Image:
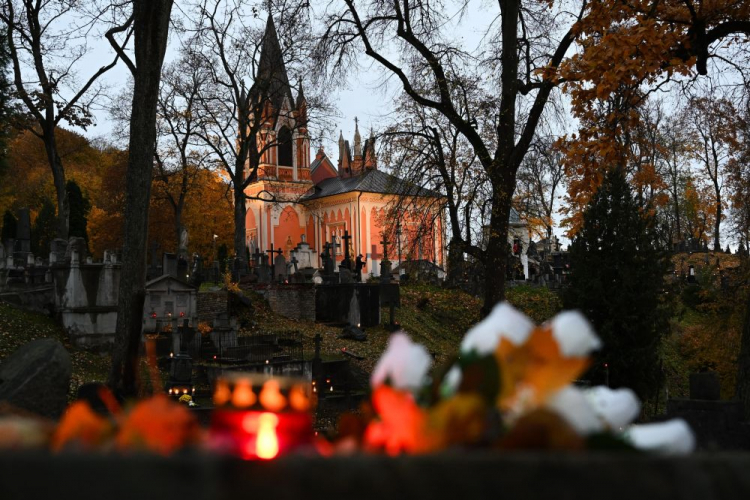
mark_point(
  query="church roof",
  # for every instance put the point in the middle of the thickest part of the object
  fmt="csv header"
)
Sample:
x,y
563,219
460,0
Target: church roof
x,y
370,181
272,80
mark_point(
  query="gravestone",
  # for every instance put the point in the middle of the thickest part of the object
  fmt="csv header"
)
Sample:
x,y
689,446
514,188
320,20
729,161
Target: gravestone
x,y
327,262
304,254
196,275
347,262
345,275
23,232
36,377
263,270
57,250
279,267
317,277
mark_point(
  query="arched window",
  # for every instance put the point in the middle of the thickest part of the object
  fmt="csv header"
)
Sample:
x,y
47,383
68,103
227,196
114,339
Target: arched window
x,y
284,147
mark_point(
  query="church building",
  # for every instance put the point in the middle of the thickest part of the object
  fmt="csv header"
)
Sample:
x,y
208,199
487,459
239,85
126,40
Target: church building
x,y
352,202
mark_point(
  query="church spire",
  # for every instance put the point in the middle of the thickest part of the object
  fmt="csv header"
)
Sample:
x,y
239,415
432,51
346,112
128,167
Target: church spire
x,y
357,139
272,79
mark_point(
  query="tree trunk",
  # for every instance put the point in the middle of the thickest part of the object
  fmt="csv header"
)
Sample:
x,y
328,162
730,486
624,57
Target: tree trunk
x,y
455,261
239,223
496,255
58,176
717,224
742,391
151,27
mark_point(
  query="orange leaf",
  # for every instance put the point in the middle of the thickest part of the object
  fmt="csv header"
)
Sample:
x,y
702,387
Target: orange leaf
x,y
402,424
159,425
81,426
535,369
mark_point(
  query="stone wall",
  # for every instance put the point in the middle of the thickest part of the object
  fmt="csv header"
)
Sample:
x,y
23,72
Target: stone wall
x,y
210,304
456,475
295,301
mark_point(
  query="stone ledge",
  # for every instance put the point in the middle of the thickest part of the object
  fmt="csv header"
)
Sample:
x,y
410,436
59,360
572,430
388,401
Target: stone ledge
x,y
460,476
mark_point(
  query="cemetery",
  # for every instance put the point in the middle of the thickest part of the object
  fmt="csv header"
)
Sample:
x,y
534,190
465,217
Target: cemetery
x,y
295,249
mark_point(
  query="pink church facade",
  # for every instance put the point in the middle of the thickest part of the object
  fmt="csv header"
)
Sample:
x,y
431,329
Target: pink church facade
x,y
317,202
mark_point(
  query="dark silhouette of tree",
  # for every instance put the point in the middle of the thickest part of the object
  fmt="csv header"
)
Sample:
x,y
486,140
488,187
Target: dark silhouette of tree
x,y
617,281
10,223
80,206
44,229
148,21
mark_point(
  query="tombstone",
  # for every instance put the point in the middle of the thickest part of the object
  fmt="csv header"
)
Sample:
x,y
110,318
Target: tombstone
x,y
345,275
57,250
327,260
691,274
23,232
196,275
279,268
346,263
317,277
263,270
292,266
304,254
180,375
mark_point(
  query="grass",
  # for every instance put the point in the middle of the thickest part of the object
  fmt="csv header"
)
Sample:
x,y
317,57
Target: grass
x,y
18,327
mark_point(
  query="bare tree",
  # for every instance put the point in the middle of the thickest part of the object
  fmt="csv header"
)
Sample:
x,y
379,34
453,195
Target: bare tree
x,y
149,23
423,148
46,54
414,42
713,127
178,155
539,178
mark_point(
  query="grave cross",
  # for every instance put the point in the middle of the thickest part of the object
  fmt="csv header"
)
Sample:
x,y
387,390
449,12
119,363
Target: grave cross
x,y
294,262
334,245
273,264
346,239
256,255
385,243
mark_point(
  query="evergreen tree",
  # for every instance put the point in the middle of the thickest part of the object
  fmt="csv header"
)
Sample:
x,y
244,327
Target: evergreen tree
x,y
79,210
45,228
617,282
9,227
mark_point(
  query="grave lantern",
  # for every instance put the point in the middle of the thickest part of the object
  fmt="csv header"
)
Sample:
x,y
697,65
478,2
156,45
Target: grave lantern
x,y
257,417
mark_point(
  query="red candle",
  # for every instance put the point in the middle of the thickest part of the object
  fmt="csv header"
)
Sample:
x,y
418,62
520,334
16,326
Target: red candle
x,y
257,417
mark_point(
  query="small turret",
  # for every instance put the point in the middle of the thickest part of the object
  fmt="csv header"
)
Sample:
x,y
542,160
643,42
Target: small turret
x,y
357,140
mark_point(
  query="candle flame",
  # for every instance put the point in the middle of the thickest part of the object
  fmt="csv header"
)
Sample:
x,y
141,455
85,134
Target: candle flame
x,y
267,442
271,397
243,396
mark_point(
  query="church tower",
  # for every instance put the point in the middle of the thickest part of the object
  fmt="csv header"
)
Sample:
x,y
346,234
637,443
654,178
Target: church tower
x,y
284,139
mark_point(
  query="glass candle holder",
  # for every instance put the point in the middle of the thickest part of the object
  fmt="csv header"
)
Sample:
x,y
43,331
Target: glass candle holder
x,y
261,417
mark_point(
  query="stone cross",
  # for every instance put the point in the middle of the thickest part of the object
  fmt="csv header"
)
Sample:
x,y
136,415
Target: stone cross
x,y
294,262
273,265
334,245
347,263
256,256
385,243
